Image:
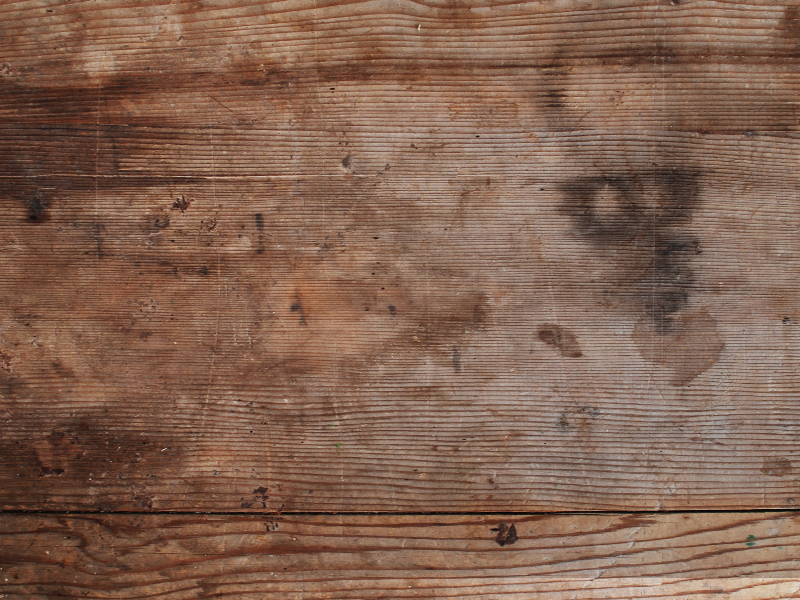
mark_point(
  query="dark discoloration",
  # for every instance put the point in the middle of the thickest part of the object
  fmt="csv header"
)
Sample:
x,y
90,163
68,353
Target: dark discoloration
x,y
145,501
638,218
688,348
561,339
578,417
347,162
36,206
160,221
790,30
392,310
457,366
55,453
506,534
638,222
62,370
259,499
297,307
259,219
451,318
5,362
777,467
77,455
97,234
182,203
791,21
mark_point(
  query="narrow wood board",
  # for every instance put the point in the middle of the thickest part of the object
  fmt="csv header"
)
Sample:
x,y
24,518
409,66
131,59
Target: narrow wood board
x,y
743,556
396,256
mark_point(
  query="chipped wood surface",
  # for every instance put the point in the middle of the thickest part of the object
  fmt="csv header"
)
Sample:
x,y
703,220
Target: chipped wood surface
x,y
394,256
745,556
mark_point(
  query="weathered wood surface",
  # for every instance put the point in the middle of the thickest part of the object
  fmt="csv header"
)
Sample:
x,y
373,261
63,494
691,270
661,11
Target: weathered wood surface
x,y
743,556
399,256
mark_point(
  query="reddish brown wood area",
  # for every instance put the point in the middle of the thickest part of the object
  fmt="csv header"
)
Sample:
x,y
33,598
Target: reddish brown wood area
x,y
748,556
390,257
399,256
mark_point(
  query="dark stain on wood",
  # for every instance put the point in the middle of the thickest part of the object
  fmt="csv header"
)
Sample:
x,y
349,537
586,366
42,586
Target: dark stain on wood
x,y
454,316
790,29
259,219
36,206
297,307
79,455
638,217
777,467
688,348
561,339
457,366
182,203
637,221
578,418
506,534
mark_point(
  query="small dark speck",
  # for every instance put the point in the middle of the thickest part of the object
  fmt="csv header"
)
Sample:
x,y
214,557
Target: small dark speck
x,y
477,136
786,320
392,310
295,307
751,134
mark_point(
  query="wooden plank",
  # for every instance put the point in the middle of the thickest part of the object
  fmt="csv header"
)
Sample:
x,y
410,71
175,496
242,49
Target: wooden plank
x,y
399,256
696,555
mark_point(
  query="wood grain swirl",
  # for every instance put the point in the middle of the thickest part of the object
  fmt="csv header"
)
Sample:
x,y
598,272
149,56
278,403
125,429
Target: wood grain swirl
x,y
752,556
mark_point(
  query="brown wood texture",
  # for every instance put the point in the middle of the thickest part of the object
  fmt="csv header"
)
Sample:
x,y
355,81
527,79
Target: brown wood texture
x,y
399,256
699,556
